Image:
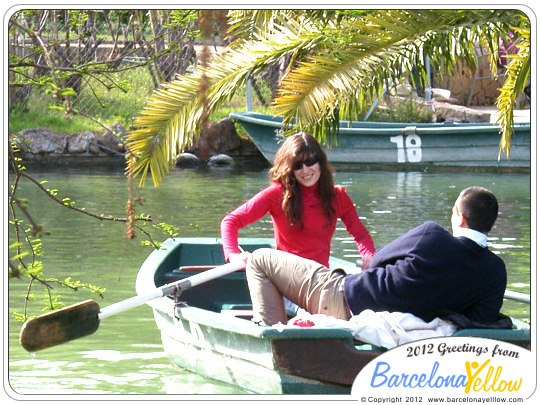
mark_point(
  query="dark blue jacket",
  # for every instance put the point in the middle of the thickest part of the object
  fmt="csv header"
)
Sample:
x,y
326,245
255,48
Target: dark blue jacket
x,y
428,272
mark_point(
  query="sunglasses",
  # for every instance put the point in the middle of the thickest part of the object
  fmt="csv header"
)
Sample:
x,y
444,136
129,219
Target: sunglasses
x,y
310,161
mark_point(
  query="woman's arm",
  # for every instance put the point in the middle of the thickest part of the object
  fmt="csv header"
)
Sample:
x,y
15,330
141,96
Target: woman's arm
x,y
252,210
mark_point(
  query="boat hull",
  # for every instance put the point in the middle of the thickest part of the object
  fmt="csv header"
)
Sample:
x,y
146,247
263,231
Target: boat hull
x,y
405,145
208,329
252,361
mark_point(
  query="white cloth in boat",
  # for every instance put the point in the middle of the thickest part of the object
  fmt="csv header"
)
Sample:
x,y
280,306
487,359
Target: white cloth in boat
x,y
385,329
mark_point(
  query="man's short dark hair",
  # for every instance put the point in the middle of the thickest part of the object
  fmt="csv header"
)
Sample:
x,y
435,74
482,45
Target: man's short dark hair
x,y
480,208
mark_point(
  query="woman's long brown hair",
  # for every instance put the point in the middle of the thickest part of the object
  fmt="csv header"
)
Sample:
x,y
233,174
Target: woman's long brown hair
x,y
298,148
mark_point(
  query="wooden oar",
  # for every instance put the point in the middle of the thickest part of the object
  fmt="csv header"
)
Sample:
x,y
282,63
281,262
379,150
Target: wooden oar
x,y
82,319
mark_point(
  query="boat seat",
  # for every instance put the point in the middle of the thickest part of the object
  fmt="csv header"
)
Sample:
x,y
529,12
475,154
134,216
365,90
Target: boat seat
x,y
238,313
238,310
227,306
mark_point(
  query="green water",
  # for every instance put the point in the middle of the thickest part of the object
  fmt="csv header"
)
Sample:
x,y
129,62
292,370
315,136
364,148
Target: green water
x,y
125,355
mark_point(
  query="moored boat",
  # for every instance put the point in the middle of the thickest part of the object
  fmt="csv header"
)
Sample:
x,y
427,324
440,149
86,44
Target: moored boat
x,y
406,145
208,329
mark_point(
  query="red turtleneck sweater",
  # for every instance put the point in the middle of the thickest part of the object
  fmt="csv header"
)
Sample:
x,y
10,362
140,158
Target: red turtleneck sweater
x,y
312,241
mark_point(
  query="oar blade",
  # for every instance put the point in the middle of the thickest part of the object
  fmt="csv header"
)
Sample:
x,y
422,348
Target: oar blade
x,y
60,326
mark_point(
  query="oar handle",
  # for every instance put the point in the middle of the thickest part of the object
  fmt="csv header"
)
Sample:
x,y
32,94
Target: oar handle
x,y
517,296
132,302
170,288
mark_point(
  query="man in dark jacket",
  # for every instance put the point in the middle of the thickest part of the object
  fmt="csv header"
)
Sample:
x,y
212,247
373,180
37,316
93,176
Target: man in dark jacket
x,y
428,272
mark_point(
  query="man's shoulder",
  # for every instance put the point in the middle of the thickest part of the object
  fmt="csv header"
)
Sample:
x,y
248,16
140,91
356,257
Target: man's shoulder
x,y
429,234
433,225
430,227
497,259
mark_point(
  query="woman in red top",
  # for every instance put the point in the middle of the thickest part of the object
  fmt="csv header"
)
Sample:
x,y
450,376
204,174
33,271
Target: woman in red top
x,y
304,205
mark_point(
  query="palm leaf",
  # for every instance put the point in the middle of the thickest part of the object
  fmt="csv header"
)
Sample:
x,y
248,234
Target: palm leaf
x,y
518,73
378,49
172,114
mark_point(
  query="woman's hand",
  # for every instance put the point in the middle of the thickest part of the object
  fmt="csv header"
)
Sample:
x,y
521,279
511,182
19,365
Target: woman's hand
x,y
366,262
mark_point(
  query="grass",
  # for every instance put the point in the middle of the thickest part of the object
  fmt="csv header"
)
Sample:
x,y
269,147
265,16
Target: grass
x,y
55,121
100,101
107,105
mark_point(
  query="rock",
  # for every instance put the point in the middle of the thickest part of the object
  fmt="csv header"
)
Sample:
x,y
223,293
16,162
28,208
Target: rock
x,y
221,160
109,142
119,129
402,90
442,95
458,113
187,160
221,138
40,141
468,89
85,142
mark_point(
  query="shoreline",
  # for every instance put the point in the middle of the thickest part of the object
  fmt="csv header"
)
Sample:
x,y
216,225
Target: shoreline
x,y
118,163
242,157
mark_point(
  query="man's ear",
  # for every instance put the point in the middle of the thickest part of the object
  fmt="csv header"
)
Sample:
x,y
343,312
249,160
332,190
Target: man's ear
x,y
458,220
462,221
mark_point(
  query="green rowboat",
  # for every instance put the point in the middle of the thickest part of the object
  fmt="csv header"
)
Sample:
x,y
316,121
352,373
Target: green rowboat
x,y
207,329
406,146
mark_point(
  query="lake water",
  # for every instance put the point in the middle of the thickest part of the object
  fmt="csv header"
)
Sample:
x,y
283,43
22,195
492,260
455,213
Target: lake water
x,y
125,355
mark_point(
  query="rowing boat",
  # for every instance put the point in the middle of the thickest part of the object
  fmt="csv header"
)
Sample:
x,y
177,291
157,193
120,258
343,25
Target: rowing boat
x,y
208,329
407,146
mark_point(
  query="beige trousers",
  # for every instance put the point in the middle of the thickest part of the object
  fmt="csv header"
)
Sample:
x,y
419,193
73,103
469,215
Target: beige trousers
x,y
273,274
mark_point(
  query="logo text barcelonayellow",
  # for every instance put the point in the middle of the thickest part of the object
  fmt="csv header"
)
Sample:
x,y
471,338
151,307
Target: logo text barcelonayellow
x,y
465,366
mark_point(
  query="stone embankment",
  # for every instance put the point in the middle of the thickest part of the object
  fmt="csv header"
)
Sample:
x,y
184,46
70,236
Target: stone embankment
x,y
218,146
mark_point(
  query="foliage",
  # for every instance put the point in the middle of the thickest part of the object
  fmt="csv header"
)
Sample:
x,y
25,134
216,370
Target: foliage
x,y
54,120
26,252
336,63
114,106
519,71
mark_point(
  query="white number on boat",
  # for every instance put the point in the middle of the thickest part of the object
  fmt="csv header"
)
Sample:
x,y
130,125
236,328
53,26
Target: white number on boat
x,y
411,148
278,133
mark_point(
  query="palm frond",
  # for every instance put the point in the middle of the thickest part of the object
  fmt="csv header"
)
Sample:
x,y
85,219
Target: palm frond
x,y
518,73
172,114
378,49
